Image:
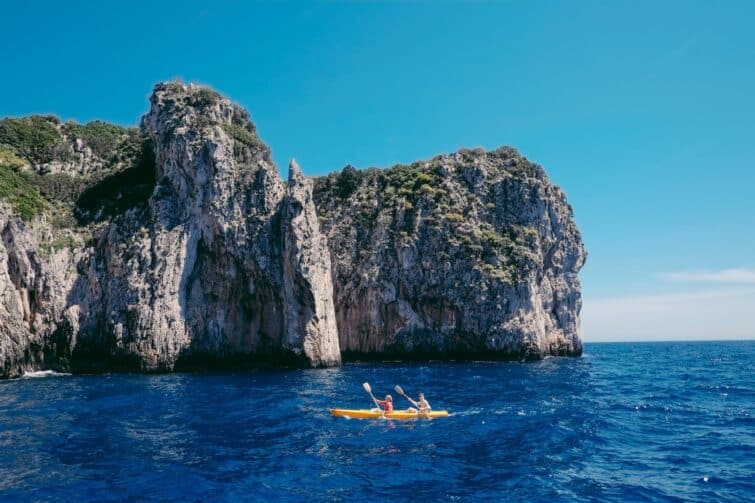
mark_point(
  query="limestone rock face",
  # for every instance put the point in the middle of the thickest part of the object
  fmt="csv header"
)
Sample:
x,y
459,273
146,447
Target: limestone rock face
x,y
199,273
178,245
473,254
37,323
310,318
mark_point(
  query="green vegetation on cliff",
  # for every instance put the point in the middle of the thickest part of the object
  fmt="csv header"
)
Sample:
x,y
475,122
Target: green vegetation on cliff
x,y
103,138
80,173
34,138
454,204
241,134
20,194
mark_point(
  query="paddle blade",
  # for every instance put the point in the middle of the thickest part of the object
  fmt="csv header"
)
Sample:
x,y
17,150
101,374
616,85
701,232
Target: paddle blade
x,y
367,387
398,389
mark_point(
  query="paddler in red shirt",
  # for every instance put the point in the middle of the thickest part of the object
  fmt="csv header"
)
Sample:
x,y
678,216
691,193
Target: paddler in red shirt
x,y
386,404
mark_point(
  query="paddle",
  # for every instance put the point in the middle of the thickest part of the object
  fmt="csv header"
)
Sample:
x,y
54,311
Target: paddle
x,y
368,389
401,392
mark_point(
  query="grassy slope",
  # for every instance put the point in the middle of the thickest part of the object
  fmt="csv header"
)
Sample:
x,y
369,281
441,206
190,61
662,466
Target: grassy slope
x,y
23,197
124,178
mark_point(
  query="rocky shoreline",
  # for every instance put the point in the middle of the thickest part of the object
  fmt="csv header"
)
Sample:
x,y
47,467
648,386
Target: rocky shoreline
x,y
178,246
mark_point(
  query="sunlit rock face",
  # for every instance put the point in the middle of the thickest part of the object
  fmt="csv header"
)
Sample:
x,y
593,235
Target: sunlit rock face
x,y
177,245
468,255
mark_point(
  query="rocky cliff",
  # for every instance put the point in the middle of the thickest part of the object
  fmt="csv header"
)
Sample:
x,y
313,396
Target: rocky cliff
x,y
470,255
177,245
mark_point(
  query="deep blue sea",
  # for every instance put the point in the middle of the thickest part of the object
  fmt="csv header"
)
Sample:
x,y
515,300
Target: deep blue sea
x,y
626,422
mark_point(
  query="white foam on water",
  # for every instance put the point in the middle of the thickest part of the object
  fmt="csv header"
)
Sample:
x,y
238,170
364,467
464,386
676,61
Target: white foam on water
x,y
43,373
468,412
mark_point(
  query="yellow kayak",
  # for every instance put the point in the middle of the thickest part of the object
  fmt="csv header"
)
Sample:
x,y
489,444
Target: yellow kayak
x,y
396,414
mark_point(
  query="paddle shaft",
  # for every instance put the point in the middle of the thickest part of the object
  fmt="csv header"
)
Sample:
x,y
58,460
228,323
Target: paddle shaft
x,y
400,391
368,389
374,400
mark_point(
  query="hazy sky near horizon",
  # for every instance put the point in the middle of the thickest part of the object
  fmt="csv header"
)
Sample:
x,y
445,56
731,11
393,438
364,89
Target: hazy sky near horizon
x,y
641,111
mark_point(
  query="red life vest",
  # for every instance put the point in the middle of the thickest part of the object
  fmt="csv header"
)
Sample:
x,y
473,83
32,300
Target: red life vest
x,y
386,405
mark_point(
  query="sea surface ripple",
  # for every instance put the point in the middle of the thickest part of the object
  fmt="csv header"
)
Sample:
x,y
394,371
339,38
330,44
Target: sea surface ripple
x,y
626,422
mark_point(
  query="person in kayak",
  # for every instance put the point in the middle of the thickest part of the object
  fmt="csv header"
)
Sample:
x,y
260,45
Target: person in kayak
x,y
421,405
386,404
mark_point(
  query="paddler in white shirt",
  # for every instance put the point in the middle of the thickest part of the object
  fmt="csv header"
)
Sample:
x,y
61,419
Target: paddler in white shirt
x,y
421,405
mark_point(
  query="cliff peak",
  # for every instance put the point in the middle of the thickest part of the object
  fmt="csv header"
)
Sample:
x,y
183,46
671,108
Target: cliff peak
x,y
295,174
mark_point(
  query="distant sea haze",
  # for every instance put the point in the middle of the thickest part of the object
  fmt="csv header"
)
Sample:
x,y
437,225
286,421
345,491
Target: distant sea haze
x,y
625,422
712,313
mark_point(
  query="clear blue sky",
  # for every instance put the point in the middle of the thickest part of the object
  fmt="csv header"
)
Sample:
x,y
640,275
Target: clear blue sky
x,y
643,112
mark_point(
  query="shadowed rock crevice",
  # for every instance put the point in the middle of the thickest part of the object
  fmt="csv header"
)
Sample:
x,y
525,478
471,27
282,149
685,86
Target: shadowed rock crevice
x,y
118,192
